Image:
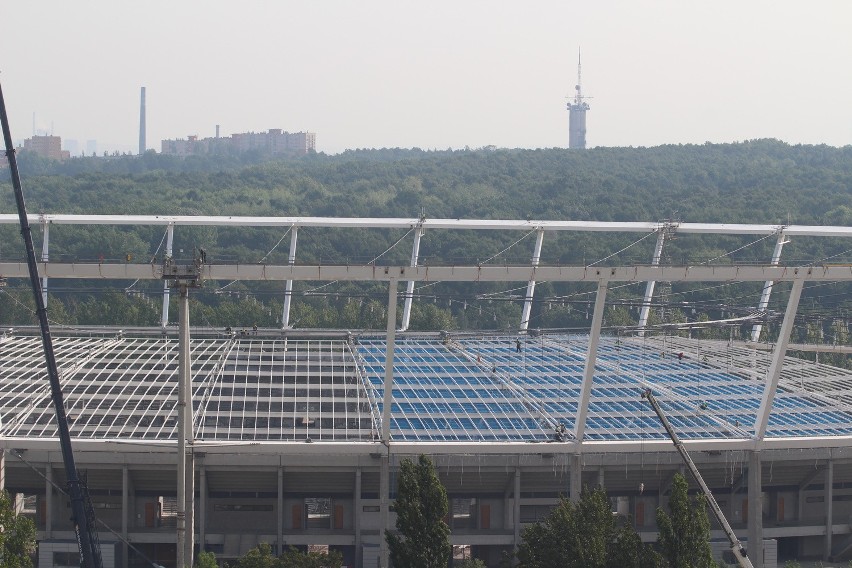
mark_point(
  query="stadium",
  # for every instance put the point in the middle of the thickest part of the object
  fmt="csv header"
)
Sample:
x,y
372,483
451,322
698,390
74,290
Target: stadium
x,y
294,436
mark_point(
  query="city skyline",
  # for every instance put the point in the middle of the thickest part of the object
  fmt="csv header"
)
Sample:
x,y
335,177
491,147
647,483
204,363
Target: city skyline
x,y
435,75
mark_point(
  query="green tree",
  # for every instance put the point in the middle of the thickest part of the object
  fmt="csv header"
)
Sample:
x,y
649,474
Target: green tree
x,y
423,538
295,558
628,551
574,535
259,557
206,560
685,531
17,537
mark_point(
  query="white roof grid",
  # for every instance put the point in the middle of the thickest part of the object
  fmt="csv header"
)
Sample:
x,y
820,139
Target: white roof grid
x,y
470,389
286,390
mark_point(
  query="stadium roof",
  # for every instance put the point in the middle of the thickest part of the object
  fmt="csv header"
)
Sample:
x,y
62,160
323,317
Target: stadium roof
x,y
478,390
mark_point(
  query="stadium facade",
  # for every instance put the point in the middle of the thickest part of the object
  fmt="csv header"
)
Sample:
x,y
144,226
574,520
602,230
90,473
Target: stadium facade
x,y
295,440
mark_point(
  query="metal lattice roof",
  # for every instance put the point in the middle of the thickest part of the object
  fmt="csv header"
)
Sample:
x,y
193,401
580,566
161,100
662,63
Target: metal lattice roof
x,y
467,389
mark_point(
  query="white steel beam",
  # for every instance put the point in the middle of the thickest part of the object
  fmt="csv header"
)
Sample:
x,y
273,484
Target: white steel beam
x,y
401,223
409,287
387,399
777,362
288,289
649,287
589,370
45,257
528,299
260,272
170,235
767,286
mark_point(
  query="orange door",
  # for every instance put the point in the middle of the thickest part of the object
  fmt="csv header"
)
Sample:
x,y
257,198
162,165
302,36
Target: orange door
x,y
297,516
338,516
485,516
640,513
150,514
745,510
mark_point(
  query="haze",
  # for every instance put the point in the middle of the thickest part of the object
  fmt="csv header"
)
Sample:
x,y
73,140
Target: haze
x,y
432,74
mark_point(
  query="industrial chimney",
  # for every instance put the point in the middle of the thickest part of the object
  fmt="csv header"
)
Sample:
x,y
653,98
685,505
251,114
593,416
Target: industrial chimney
x,y
142,144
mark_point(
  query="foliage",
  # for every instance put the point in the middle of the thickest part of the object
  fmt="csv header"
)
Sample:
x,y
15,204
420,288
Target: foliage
x,y
17,537
584,535
758,181
422,540
685,531
206,560
259,557
295,558
262,557
471,563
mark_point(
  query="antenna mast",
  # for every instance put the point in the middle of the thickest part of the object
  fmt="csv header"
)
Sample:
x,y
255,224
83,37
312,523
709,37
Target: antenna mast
x,y
577,111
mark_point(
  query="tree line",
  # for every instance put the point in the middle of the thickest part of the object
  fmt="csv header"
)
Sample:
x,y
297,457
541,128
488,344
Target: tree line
x,y
760,181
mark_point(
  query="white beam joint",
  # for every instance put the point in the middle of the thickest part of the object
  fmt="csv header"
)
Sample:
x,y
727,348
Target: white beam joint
x,y
528,299
767,286
591,358
170,235
45,257
778,353
409,287
288,288
649,287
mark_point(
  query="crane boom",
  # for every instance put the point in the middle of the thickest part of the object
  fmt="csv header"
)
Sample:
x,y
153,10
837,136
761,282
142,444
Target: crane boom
x,y
82,513
736,546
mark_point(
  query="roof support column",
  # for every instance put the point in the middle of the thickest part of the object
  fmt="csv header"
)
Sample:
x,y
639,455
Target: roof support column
x,y
202,508
829,508
591,357
125,513
516,509
755,510
767,286
170,235
384,509
387,402
356,519
45,256
409,287
48,501
288,287
387,399
576,486
536,258
649,287
279,506
2,469
185,473
774,372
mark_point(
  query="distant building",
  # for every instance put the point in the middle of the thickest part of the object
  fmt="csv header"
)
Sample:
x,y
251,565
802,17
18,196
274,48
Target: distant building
x,y
49,147
274,141
577,115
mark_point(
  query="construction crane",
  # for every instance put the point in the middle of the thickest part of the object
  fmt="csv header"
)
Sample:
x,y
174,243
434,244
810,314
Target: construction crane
x,y
82,512
736,546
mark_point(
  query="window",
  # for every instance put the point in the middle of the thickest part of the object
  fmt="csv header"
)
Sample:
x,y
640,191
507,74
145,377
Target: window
x,y
464,513
66,559
318,512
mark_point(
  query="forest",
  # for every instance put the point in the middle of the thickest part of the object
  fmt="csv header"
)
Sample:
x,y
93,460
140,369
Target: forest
x,y
758,181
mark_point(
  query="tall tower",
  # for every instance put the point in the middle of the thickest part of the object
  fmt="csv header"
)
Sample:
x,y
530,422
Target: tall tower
x,y
142,144
577,113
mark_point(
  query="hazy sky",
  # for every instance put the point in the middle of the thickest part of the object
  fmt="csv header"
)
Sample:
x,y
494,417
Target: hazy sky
x,y
431,74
